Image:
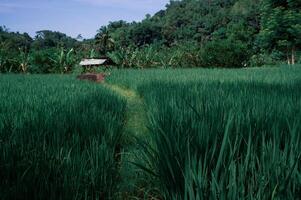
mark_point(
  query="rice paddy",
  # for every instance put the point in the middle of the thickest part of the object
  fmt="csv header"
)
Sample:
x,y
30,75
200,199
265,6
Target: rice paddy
x,y
60,138
152,134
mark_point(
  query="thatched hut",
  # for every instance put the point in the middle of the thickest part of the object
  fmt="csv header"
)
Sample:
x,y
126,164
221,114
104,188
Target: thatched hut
x,y
90,64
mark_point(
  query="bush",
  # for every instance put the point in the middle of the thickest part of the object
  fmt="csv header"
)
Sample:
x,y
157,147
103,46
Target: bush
x,y
261,59
52,60
222,53
156,55
185,54
225,53
41,62
8,62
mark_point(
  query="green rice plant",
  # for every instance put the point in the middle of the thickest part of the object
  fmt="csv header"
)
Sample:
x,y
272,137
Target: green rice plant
x,y
231,140
212,134
59,138
133,78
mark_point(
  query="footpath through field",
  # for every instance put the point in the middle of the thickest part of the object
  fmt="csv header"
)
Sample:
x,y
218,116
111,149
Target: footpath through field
x,y
136,117
136,125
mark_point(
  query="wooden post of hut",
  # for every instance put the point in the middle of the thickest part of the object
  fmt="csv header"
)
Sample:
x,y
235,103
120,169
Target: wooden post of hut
x,y
89,65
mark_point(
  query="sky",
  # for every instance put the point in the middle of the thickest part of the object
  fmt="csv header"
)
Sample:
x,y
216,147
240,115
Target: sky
x,y
72,17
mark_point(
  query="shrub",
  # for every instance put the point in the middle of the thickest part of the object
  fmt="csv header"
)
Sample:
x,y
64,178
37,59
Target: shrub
x,y
224,53
41,62
261,59
9,62
156,55
52,60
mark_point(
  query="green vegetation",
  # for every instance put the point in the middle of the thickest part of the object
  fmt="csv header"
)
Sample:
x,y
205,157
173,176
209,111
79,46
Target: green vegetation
x,y
219,33
133,78
230,140
281,27
219,134
175,132
49,52
180,134
188,33
59,138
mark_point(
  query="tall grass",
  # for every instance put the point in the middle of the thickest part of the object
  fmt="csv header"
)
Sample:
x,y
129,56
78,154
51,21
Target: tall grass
x,y
232,139
59,138
213,134
220,142
132,78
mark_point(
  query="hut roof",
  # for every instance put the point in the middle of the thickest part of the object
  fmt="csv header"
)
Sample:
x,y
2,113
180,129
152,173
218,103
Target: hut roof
x,y
88,62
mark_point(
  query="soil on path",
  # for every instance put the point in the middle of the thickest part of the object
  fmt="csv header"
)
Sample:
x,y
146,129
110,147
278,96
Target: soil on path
x,y
136,118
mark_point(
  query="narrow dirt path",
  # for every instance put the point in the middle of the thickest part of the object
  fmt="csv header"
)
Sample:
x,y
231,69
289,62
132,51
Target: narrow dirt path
x,y
135,127
136,118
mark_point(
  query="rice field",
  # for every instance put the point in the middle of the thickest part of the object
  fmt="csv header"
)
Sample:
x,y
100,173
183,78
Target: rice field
x,y
60,138
207,134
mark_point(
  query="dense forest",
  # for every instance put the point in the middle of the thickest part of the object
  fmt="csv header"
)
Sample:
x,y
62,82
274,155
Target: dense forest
x,y
188,33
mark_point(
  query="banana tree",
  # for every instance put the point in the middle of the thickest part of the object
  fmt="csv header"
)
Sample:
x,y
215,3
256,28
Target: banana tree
x,y
69,61
92,54
23,60
64,61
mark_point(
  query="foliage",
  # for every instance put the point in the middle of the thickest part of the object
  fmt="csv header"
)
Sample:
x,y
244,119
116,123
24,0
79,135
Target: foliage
x,y
64,60
53,61
145,33
225,53
215,30
155,55
24,61
219,53
219,21
19,53
14,41
9,62
187,33
104,41
51,39
274,58
281,27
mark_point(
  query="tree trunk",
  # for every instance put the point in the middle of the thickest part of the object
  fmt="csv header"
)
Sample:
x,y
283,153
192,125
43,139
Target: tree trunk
x,y
288,57
293,55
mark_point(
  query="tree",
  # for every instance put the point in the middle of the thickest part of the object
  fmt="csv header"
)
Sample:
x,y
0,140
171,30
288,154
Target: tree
x,y
119,33
146,32
225,53
104,41
281,27
49,39
14,41
79,37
